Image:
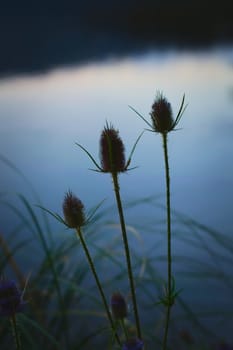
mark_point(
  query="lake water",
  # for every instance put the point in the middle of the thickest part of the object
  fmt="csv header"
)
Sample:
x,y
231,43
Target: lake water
x,y
43,116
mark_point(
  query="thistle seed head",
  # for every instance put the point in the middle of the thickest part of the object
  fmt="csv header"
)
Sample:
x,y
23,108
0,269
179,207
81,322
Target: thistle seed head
x,y
73,210
10,298
161,115
112,151
133,344
118,306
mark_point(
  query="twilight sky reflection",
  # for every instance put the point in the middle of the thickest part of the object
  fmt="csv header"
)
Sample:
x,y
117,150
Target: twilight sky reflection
x,y
43,116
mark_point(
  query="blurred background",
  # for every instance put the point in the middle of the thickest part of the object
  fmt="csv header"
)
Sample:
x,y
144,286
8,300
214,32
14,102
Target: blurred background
x,y
37,38
66,68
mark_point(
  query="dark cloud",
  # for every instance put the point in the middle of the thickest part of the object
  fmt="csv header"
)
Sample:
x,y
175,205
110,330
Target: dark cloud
x,y
35,39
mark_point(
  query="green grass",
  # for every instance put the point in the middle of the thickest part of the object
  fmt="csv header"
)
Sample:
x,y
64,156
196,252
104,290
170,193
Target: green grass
x,y
63,309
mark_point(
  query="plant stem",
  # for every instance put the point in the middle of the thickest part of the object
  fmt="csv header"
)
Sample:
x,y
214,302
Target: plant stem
x,y
9,256
93,270
124,328
169,257
127,251
16,333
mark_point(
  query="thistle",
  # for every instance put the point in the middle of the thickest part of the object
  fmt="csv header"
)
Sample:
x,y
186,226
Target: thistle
x,y
118,306
74,217
10,298
11,302
163,122
112,151
112,159
73,210
119,311
133,344
162,116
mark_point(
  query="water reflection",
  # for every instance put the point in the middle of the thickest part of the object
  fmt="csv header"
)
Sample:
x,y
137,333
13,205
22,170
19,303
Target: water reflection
x,y
42,117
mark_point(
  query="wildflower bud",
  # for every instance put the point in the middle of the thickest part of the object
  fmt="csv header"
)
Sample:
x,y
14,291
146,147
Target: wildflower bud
x,y
133,344
112,149
118,306
161,115
10,298
73,210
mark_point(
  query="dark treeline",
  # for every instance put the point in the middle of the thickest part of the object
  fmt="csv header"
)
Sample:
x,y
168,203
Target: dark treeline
x,y
35,38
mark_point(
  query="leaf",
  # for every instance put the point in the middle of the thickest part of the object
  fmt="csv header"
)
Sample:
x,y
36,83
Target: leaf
x,y
89,155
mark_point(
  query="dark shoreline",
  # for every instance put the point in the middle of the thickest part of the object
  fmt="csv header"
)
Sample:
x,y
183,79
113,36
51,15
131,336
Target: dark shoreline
x,y
36,40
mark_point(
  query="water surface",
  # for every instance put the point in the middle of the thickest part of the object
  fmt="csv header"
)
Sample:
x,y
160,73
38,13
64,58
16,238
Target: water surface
x,y
43,116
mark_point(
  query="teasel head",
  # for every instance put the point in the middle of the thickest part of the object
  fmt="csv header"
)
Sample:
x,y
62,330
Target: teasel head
x,y
112,152
11,299
162,115
118,306
133,344
73,210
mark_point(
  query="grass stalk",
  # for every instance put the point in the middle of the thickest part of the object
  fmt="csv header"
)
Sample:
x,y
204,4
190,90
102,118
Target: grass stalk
x,y
124,328
53,270
15,267
16,334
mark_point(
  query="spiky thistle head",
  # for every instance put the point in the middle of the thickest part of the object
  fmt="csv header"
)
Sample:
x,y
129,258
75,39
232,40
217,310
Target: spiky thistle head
x,y
118,306
10,298
133,344
112,151
162,115
73,210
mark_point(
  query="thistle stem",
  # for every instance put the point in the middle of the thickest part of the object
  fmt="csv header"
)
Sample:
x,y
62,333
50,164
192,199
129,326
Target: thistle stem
x,y
169,257
15,331
127,251
93,270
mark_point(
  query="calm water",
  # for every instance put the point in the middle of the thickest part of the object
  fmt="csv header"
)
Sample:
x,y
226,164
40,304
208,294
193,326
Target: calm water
x,y
43,116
